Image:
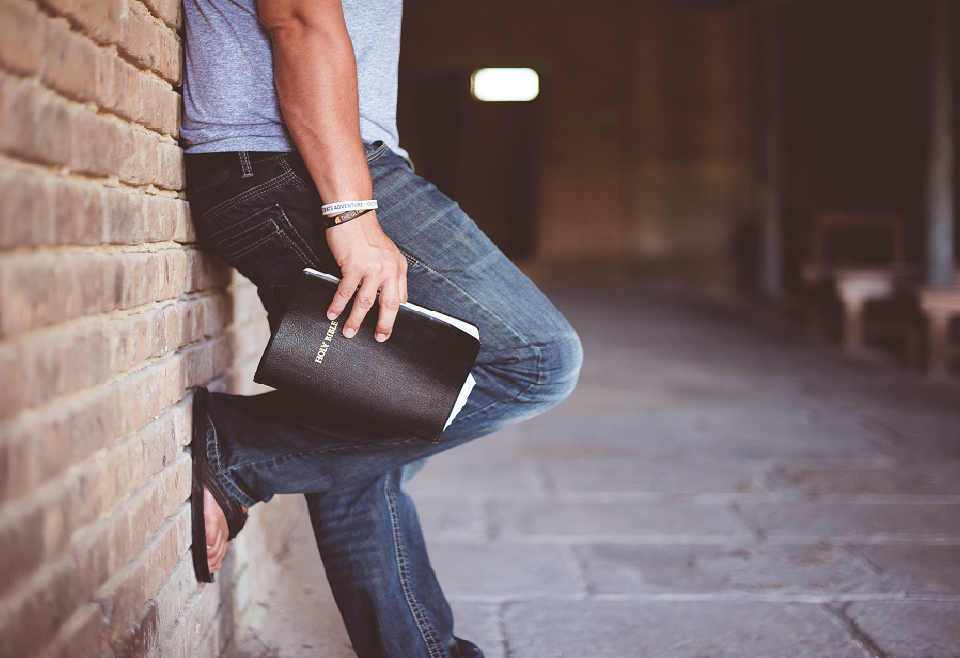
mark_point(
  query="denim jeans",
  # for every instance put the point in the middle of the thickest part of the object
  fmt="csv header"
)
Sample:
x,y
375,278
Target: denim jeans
x,y
259,217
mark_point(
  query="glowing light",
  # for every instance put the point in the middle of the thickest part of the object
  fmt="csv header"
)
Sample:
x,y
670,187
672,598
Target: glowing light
x,y
505,84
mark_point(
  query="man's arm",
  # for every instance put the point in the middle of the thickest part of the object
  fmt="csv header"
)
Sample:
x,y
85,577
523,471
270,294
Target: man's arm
x,y
315,73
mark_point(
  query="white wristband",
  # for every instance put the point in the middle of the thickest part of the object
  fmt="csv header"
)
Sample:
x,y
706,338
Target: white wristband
x,y
347,206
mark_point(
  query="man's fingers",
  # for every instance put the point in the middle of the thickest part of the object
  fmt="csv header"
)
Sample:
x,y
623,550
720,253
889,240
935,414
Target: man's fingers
x,y
389,305
403,280
217,551
215,545
348,284
362,303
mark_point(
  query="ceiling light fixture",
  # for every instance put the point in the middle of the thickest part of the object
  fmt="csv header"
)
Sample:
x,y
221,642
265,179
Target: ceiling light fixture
x,y
505,84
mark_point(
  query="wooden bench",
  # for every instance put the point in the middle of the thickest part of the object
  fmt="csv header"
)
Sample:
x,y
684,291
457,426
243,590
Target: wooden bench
x,y
940,306
854,284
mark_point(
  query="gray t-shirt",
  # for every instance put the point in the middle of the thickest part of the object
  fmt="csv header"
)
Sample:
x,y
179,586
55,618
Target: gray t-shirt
x,y
229,100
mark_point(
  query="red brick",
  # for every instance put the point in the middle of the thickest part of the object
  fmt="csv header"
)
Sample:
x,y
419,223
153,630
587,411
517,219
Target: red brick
x,y
186,232
124,597
78,211
109,73
158,106
151,45
97,144
192,625
106,548
45,366
38,290
35,532
140,164
206,270
146,510
20,37
80,636
27,205
75,67
44,289
103,550
142,639
38,609
56,594
171,174
205,361
21,543
146,42
33,124
98,19
38,449
170,104
49,210
203,318
37,126
70,63
173,596
167,11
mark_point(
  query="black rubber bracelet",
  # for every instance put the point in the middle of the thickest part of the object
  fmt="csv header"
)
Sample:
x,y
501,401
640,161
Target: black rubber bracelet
x,y
334,220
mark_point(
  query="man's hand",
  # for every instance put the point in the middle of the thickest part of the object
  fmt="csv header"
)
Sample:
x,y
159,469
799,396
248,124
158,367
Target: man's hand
x,y
368,259
315,72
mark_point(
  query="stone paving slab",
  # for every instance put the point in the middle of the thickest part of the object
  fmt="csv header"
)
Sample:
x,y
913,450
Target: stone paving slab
x,y
614,437
816,569
943,424
453,518
897,479
662,475
462,477
556,519
849,521
505,570
910,629
479,623
602,629
918,569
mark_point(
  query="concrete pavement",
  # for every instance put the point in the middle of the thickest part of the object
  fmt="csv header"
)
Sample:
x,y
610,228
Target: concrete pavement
x,y
716,487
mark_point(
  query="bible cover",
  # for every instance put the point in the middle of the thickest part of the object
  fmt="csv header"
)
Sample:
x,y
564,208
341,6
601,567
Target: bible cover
x,y
412,381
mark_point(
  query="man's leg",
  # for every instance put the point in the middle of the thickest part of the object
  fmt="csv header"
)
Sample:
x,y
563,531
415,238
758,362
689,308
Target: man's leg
x,y
376,562
529,362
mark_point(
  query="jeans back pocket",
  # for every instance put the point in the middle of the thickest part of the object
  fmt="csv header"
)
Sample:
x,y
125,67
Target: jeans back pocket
x,y
233,238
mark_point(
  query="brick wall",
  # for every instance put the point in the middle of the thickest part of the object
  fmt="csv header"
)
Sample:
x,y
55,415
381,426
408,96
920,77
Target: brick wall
x,y
109,317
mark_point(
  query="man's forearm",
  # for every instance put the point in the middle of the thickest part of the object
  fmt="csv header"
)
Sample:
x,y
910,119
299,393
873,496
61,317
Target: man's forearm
x,y
316,79
315,73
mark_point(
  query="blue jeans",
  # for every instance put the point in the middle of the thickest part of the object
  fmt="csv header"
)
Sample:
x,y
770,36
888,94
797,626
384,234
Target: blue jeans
x,y
259,216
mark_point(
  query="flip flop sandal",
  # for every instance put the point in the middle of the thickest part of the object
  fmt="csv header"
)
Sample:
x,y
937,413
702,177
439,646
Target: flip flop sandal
x,y
203,475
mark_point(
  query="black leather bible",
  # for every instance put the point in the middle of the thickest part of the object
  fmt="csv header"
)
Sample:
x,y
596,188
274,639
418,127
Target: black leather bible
x,y
417,380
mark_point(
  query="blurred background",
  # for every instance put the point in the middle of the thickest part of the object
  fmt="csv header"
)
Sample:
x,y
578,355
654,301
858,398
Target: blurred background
x,y
705,144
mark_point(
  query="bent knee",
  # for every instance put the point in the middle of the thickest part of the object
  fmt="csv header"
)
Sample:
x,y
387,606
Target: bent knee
x,y
559,369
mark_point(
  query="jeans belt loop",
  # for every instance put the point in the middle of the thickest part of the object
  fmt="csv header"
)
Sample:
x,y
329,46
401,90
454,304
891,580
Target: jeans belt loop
x,y
245,165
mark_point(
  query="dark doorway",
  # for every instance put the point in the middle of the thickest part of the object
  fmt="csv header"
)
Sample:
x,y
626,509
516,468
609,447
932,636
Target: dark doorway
x,y
482,155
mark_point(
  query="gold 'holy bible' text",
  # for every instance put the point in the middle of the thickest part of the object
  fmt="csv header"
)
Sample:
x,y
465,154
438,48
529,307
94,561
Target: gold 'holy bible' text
x,y
327,341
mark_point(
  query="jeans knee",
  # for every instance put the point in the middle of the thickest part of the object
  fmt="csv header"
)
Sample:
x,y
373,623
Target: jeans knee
x,y
560,360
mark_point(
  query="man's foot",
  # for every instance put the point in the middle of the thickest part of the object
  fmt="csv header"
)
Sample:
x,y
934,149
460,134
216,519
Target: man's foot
x,y
217,516
216,530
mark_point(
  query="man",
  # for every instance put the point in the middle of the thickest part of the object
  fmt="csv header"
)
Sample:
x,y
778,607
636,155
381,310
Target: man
x,y
288,105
